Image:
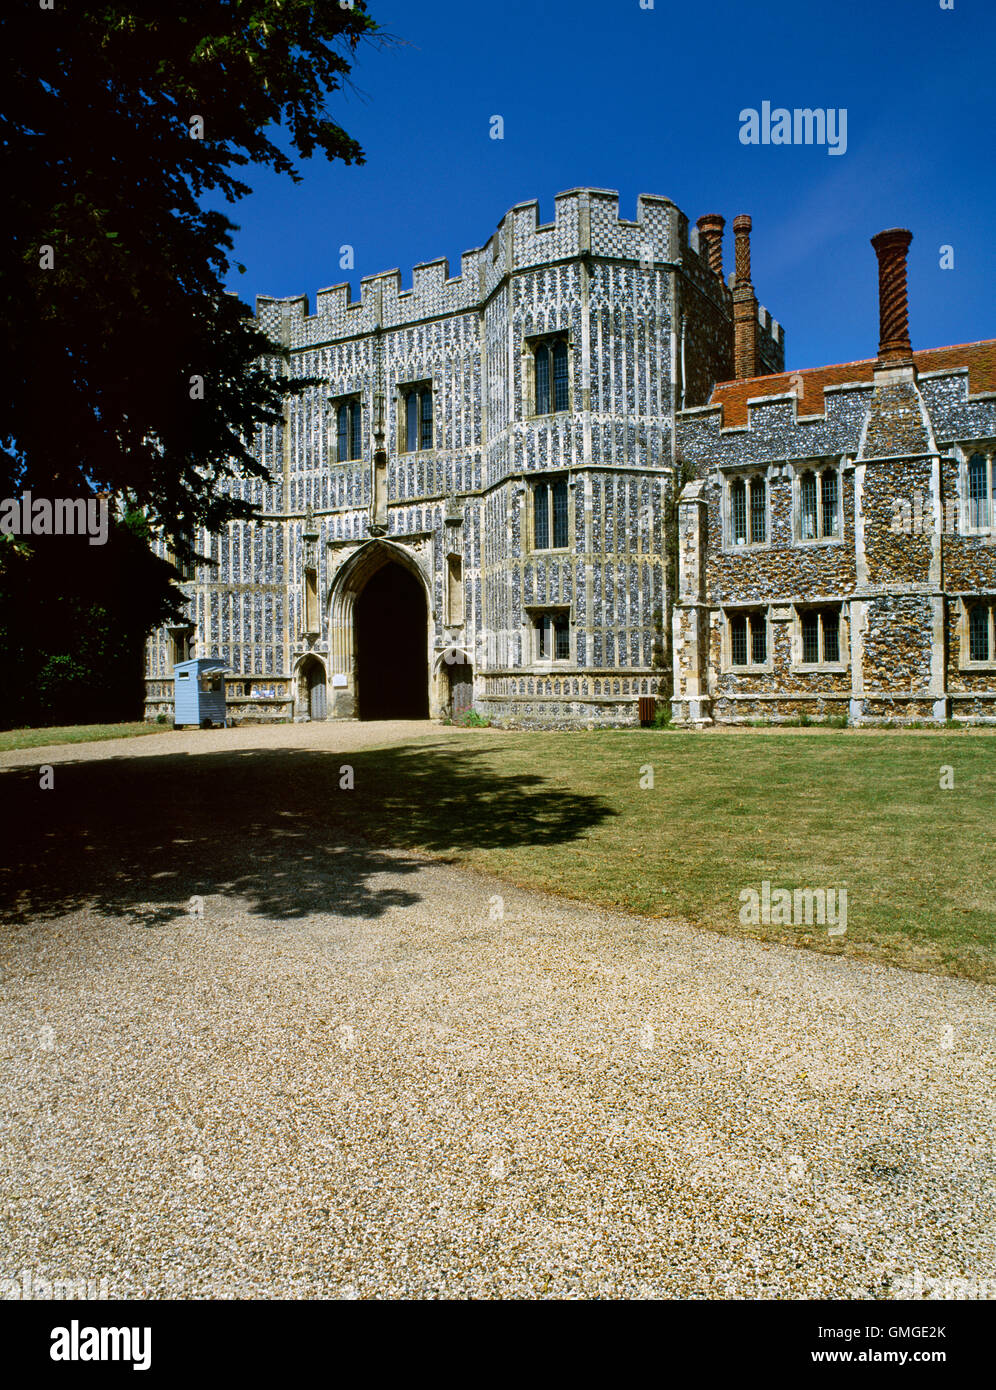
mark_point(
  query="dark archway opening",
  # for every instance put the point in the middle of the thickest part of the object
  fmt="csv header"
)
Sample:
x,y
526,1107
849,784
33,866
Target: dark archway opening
x,y
392,666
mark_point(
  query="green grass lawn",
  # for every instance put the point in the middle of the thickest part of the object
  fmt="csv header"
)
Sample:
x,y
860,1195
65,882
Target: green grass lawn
x,y
76,733
561,812
861,811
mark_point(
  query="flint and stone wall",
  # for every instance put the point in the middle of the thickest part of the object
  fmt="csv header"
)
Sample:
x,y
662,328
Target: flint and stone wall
x,y
901,566
636,303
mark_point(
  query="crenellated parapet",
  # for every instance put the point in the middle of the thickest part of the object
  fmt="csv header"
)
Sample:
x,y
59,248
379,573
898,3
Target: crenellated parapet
x,y
776,426
823,410
586,223
770,341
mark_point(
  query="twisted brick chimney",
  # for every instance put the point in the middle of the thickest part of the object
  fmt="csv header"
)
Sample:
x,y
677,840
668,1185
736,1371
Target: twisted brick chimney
x,y
894,347
744,304
710,226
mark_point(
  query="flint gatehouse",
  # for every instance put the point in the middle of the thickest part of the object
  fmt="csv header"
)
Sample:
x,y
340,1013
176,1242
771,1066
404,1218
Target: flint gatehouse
x,y
578,475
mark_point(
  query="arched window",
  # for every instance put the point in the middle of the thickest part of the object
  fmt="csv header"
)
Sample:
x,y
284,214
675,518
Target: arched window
x,y
978,491
748,511
978,632
758,639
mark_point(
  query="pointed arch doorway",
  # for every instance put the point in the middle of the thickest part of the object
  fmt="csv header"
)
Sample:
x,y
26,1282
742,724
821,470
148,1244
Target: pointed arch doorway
x,y
311,692
390,623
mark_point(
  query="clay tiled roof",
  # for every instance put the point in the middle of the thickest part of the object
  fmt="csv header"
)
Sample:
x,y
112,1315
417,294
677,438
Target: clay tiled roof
x,y
979,358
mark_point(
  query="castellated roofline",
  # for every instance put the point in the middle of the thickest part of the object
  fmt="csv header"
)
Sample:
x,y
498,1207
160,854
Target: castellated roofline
x,y
586,220
813,391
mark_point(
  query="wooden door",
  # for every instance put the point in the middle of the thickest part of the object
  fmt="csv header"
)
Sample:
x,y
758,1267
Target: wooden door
x,y
316,693
461,689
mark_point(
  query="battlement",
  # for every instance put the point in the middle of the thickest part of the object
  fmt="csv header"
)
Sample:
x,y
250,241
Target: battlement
x,y
738,401
586,221
770,327
770,411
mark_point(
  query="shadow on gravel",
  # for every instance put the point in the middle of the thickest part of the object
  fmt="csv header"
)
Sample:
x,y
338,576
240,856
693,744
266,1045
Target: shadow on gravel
x,y
140,836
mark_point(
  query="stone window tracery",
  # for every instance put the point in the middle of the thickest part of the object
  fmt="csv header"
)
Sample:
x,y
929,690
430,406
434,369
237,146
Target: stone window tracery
x,y
758,511
978,636
748,638
747,510
980,492
819,504
550,374
416,418
819,635
348,430
552,635
550,515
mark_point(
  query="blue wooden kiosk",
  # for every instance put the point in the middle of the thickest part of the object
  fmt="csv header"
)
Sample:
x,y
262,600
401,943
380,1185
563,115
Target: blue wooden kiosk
x,y
199,692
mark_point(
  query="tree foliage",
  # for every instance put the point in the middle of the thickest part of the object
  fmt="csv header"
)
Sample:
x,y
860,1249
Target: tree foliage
x,y
73,619
101,352
125,367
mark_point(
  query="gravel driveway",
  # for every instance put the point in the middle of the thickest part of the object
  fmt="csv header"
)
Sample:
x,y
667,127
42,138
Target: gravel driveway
x,y
449,1087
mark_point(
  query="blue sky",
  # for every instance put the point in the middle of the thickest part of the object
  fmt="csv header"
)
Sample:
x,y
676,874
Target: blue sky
x,y
607,94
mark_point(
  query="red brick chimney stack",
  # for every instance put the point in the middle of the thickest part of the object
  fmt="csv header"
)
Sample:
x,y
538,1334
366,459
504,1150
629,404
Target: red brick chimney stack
x,y
744,304
741,241
710,226
894,347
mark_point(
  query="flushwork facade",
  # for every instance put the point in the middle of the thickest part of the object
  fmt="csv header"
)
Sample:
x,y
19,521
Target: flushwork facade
x,y
475,508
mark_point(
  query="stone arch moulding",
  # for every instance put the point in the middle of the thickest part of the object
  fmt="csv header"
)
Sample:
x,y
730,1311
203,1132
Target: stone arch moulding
x,y
347,583
454,649
440,687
